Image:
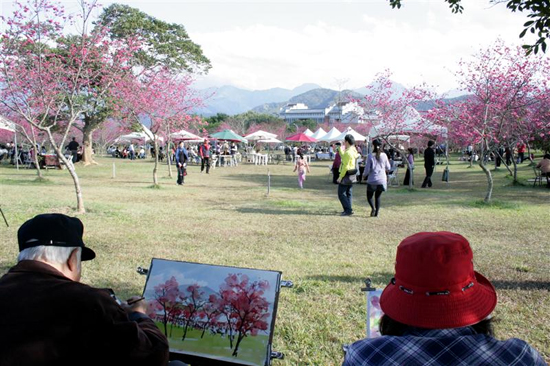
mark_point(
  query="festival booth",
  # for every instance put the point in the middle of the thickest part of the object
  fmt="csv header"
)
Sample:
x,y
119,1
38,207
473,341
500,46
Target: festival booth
x,y
227,159
331,135
413,124
319,134
308,132
302,137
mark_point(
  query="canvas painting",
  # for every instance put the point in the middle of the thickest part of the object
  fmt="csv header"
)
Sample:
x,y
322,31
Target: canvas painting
x,y
374,313
214,312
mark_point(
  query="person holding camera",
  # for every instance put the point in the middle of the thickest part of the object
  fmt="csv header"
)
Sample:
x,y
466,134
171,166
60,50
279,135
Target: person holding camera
x,y
50,318
437,311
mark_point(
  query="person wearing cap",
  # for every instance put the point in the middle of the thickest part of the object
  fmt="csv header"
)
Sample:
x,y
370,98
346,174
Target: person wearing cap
x,y
437,311
50,318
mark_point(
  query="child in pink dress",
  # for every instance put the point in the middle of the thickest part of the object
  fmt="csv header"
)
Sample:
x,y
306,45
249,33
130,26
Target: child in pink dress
x,y
301,166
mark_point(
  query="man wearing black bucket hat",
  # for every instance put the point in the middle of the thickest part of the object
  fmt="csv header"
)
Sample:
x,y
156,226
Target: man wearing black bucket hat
x,y
50,318
437,311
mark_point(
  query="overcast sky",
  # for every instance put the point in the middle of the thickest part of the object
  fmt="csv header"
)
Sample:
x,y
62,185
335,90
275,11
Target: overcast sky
x,y
340,43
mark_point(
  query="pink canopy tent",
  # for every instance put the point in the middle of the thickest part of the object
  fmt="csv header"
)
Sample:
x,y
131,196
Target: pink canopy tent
x,y
301,137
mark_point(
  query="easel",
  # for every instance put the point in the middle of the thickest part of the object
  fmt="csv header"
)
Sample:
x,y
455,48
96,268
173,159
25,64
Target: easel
x,y
201,361
369,293
6,221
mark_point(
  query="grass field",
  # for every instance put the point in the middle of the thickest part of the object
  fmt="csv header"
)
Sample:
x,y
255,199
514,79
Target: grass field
x,y
226,218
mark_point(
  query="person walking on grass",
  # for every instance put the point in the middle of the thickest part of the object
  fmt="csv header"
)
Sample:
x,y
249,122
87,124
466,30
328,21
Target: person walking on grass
x,y
429,164
410,169
181,162
347,174
204,152
301,166
375,174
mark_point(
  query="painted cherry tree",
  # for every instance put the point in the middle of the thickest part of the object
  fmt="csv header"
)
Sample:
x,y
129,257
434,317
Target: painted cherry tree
x,y
43,72
239,309
159,97
395,112
509,91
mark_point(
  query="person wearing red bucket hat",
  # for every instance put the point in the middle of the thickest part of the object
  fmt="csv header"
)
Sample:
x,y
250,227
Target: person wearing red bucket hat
x,y
50,318
437,311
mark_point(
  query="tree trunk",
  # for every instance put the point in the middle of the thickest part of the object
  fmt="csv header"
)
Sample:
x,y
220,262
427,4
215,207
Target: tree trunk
x,y
168,156
72,171
155,169
239,339
37,165
487,172
87,154
515,170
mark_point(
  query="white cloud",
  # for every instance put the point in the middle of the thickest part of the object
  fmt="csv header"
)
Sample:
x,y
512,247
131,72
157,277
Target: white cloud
x,y
416,49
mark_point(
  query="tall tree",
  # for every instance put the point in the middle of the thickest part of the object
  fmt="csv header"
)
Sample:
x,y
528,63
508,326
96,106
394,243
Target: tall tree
x,y
509,92
166,45
396,114
160,98
41,86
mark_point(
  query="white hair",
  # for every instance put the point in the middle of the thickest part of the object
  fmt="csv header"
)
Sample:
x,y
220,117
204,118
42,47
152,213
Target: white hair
x,y
48,253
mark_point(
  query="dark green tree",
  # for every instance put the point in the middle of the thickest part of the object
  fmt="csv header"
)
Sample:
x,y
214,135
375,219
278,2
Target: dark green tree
x,y
164,44
538,11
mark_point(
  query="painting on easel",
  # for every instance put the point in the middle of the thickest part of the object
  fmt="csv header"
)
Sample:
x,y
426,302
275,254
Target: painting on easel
x,y
213,312
374,313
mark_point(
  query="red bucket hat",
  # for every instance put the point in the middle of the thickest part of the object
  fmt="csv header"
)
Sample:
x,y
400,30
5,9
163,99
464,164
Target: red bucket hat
x,y
435,285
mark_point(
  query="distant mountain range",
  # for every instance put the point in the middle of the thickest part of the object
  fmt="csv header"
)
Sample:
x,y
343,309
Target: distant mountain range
x,y
232,100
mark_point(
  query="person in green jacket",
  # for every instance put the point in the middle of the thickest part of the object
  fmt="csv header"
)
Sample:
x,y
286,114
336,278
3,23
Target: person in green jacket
x,y
345,189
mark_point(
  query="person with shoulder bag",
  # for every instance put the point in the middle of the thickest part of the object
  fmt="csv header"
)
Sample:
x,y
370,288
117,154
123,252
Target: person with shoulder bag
x,y
347,174
375,174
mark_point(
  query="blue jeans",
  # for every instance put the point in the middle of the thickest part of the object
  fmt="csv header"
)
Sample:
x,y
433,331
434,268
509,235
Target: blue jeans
x,y
345,194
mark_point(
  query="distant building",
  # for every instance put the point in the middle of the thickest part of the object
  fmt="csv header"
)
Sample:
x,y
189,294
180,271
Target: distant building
x,y
344,112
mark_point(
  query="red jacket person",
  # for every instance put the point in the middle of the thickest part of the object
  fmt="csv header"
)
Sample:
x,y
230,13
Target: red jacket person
x,y
49,318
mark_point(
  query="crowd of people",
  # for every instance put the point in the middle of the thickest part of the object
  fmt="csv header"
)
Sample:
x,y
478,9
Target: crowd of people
x,y
437,308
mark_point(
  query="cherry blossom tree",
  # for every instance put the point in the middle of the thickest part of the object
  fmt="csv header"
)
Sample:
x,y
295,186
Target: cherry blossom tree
x,y
191,305
509,93
160,97
396,113
43,85
166,300
248,308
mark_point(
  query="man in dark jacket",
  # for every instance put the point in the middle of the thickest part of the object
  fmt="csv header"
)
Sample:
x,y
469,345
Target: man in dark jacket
x,y
429,164
181,162
50,318
73,148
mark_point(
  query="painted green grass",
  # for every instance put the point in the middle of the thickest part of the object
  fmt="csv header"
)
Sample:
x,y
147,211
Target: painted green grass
x,y
252,349
225,218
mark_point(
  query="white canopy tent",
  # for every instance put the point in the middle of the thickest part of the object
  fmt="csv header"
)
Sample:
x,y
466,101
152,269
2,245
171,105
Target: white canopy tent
x,y
413,124
270,141
145,135
331,135
319,133
185,135
6,124
260,135
308,132
350,131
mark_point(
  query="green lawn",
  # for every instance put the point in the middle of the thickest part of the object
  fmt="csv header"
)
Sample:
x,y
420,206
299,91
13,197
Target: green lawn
x,y
225,218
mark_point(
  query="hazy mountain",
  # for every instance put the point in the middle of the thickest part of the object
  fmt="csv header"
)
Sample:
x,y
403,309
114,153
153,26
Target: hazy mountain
x,y
397,88
314,99
232,100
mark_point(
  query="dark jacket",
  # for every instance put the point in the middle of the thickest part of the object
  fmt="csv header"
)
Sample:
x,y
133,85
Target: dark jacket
x,y
48,319
181,155
429,157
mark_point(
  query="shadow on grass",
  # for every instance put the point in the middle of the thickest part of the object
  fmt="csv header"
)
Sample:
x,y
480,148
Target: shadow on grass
x,y
376,278
521,285
271,211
